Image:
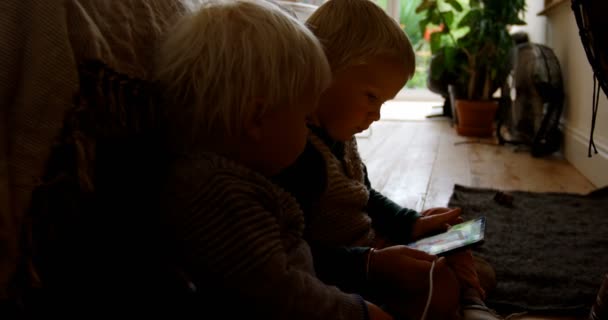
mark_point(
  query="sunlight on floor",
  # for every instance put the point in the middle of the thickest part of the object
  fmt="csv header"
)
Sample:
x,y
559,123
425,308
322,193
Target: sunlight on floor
x,y
410,110
407,110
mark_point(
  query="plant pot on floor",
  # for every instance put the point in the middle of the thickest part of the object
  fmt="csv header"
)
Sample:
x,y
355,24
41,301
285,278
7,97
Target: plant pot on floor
x,y
476,118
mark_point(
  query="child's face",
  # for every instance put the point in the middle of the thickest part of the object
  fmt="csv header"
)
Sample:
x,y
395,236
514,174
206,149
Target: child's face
x,y
353,101
282,138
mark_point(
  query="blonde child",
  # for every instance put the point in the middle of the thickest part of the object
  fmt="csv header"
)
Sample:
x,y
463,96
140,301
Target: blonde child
x,y
239,78
350,226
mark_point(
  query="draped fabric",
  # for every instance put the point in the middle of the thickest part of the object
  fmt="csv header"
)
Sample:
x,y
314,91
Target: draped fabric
x,y
42,42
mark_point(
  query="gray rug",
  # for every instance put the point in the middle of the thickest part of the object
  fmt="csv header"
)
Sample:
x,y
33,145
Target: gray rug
x,y
549,250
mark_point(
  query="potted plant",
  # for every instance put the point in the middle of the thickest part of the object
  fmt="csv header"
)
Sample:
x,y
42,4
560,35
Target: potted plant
x,y
475,51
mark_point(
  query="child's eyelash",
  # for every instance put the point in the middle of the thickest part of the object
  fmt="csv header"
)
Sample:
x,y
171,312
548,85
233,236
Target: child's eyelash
x,y
372,97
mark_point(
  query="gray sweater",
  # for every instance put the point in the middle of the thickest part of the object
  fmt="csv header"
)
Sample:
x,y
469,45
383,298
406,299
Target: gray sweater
x,y
240,236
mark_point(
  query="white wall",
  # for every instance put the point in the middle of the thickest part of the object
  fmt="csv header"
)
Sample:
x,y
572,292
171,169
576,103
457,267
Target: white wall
x,y
562,35
536,25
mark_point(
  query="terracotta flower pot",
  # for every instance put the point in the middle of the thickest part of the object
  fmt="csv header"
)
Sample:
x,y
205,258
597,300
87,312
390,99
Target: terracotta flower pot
x,y
476,118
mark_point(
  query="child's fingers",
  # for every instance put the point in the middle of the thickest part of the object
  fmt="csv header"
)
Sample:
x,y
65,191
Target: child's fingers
x,y
441,262
434,211
449,217
454,213
416,254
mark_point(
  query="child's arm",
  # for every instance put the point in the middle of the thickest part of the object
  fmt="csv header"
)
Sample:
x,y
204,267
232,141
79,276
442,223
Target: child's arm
x,y
344,267
402,225
435,220
400,266
389,219
393,268
411,279
227,235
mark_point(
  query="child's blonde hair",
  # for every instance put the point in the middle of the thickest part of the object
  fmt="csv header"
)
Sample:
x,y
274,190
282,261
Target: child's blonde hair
x,y
225,58
353,31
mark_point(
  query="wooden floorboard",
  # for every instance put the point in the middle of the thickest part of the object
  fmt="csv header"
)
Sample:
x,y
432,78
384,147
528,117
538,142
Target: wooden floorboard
x,y
417,163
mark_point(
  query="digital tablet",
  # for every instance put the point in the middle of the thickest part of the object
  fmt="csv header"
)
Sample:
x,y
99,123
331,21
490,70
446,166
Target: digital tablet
x,y
458,237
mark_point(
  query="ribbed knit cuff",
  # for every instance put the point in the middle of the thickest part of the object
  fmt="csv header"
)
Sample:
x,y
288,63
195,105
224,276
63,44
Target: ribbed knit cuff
x,y
364,307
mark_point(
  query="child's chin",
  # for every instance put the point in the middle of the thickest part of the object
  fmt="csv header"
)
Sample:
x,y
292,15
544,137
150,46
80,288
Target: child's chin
x,y
359,130
345,139
343,135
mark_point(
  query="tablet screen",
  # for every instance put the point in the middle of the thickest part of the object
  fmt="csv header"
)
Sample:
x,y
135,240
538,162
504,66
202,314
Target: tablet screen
x,y
457,237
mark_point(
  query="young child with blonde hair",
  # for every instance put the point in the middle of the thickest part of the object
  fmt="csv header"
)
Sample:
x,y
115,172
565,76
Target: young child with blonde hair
x,y
356,233
239,78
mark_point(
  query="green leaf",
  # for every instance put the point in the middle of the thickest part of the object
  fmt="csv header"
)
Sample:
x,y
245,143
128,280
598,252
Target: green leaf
x,y
450,54
470,19
422,25
435,17
448,17
469,42
435,42
519,22
426,5
446,29
474,3
455,4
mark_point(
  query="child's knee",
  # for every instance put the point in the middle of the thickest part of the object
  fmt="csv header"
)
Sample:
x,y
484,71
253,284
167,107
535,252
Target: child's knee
x,y
485,272
445,301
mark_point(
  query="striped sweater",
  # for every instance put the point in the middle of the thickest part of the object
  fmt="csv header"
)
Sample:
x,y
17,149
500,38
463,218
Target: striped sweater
x,y
343,212
348,211
338,218
240,236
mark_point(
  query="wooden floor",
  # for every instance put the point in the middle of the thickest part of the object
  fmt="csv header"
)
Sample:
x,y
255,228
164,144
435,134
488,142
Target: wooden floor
x,y
417,163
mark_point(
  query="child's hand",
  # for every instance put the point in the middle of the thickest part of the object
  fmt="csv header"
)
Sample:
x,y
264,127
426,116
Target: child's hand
x,y
409,302
375,313
436,210
400,267
463,265
435,220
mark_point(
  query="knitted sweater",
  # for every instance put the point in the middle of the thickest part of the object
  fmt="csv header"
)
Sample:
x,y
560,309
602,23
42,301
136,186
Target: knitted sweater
x,y
240,237
343,212
337,218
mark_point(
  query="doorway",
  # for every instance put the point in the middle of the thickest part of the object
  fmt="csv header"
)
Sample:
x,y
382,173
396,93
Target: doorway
x,y
415,101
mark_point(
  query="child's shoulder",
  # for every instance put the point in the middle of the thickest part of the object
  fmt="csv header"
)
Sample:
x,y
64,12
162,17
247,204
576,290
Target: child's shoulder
x,y
308,165
306,178
210,171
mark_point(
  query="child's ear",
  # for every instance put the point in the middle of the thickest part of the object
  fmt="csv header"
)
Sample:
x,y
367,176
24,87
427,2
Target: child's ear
x,y
254,127
312,119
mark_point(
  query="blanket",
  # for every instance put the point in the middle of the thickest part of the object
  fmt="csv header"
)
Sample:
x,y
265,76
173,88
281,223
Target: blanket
x,y
549,250
42,43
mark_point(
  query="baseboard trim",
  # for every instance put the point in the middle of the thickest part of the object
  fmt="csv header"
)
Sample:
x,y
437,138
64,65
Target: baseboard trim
x,y
575,148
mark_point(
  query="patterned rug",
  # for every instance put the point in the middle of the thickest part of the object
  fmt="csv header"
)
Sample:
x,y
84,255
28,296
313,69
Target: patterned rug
x,y
549,250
